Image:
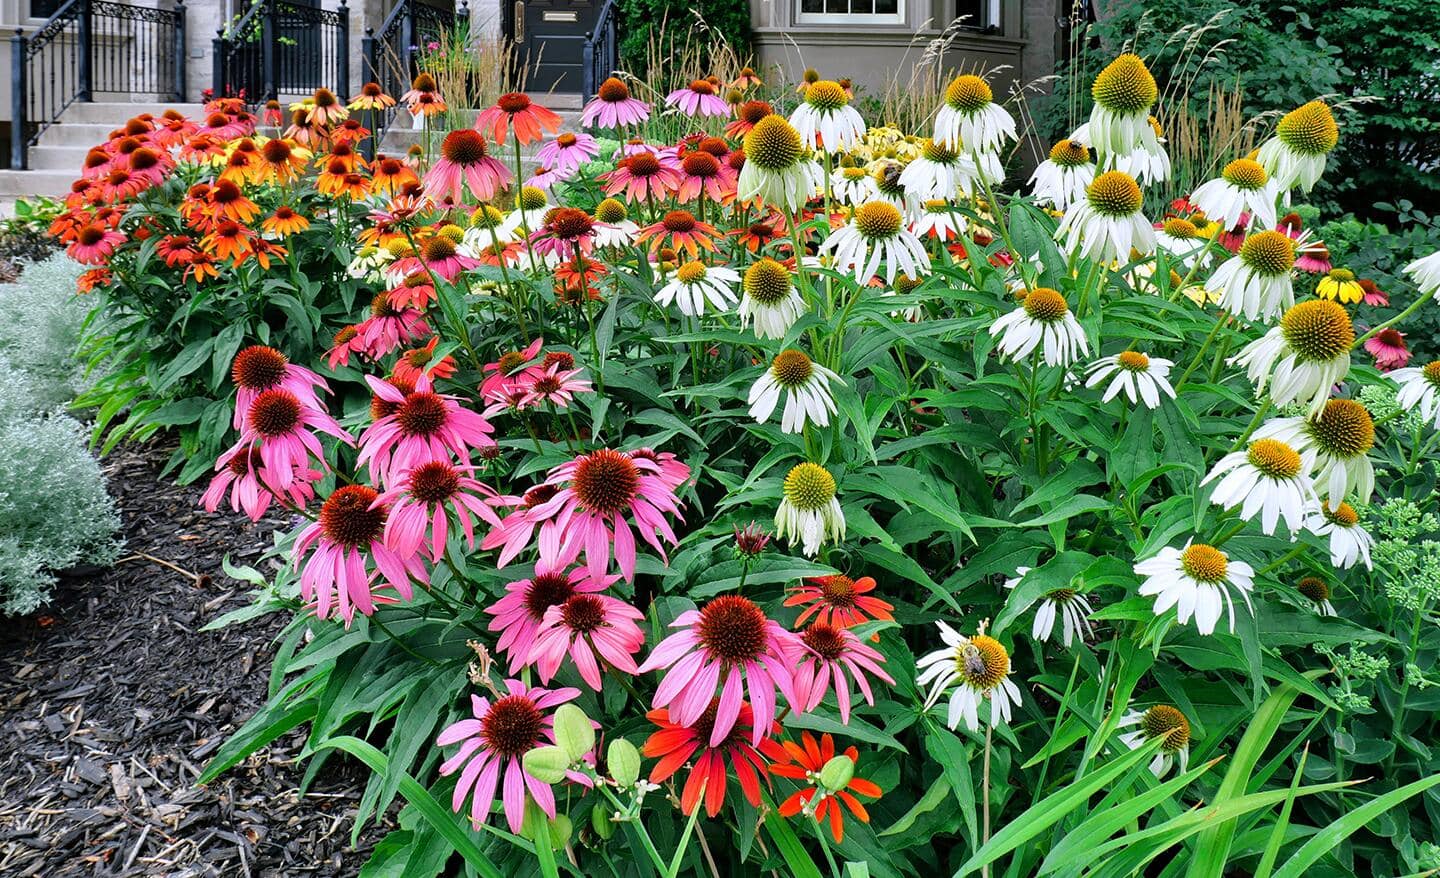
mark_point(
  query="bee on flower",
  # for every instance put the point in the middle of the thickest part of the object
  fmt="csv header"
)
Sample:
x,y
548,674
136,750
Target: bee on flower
x,y
1065,176
978,669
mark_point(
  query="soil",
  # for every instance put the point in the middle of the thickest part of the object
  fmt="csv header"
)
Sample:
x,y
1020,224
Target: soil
x,y
112,701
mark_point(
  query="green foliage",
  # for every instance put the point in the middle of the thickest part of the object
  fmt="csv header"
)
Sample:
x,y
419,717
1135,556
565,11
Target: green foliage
x,y
658,29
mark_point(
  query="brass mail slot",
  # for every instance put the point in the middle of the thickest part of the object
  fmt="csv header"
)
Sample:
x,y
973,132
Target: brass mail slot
x,y
561,16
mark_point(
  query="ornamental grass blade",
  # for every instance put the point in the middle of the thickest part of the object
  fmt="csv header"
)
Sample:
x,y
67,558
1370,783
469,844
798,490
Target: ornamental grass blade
x,y
1342,828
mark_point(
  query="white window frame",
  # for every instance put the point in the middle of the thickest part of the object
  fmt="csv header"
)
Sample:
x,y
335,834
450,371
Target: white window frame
x,y
803,17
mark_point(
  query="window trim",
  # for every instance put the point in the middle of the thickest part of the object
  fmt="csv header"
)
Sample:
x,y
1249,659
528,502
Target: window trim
x,y
888,18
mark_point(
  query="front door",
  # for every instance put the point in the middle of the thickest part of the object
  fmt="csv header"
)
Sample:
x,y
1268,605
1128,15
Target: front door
x,y
550,37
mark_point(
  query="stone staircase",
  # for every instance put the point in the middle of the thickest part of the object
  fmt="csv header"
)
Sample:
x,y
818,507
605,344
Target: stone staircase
x,y
55,162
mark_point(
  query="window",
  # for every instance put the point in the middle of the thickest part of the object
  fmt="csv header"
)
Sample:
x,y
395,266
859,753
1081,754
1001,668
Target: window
x,y
979,14
44,8
856,11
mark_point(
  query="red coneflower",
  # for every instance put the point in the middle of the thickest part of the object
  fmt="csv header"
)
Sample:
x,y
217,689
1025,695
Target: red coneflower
x,y
1388,348
746,115
515,112
421,361
838,600
681,232
675,743
806,764
94,244
227,202
644,174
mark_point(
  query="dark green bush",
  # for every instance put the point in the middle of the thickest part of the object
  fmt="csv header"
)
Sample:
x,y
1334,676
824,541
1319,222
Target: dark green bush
x,y
674,23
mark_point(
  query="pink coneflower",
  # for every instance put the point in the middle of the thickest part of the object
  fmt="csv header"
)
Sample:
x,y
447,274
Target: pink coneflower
x,y
601,494
672,472
1311,253
831,658
346,342
644,174
388,327
613,107
504,372
422,99
515,112
838,600
731,644
546,178
566,153
419,504
496,738
351,527
1374,296
465,162
588,628
1388,348
674,743
438,255
698,99
240,470
705,174
259,368
519,612
566,230
519,525
94,244
556,386
282,425
425,426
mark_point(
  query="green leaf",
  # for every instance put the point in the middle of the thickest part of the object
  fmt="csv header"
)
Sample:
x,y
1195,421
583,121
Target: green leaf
x,y
1342,827
437,815
262,729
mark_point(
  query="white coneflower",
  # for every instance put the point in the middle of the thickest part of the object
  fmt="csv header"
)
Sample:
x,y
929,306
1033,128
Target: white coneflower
x,y
1181,241
809,511
1267,479
939,172
1334,446
1303,139
1243,187
1149,163
1195,581
613,227
979,668
368,263
885,175
905,284
1067,604
1304,357
1045,317
776,171
1349,541
970,120
1161,722
1419,389
1142,377
805,385
939,219
1318,591
1425,274
1107,225
1255,283
876,234
694,284
852,185
1124,92
529,212
825,120
769,299
1061,180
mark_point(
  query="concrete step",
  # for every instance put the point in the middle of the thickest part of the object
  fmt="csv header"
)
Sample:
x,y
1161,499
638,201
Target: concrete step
x,y
78,134
58,158
113,114
52,183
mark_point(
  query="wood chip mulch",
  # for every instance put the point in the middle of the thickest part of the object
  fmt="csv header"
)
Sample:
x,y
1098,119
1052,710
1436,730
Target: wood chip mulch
x,y
112,701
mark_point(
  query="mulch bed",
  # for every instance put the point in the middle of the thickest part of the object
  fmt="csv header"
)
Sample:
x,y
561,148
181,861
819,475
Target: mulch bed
x,y
112,701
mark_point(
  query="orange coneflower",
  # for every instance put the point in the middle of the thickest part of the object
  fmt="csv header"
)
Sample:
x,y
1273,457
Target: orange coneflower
x,y
515,112
352,186
226,201
761,233
350,131
682,232
96,164
391,174
285,222
421,361
748,78
243,163
202,267
230,240
173,128
302,131
203,149
91,279
343,152
806,764
282,160
266,250
746,115
372,97
177,250
195,204
422,98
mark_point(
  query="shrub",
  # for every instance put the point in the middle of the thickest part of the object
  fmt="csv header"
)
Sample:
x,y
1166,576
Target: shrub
x,y
53,502
42,331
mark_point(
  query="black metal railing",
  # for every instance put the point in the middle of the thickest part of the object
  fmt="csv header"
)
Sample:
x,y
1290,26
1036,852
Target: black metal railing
x,y
90,46
391,54
282,48
601,51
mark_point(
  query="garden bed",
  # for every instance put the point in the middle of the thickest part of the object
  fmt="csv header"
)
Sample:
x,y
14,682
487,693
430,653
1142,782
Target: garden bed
x,y
112,700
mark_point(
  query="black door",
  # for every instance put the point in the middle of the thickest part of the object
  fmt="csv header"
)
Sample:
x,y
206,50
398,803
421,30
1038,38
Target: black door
x,y
551,42
299,53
